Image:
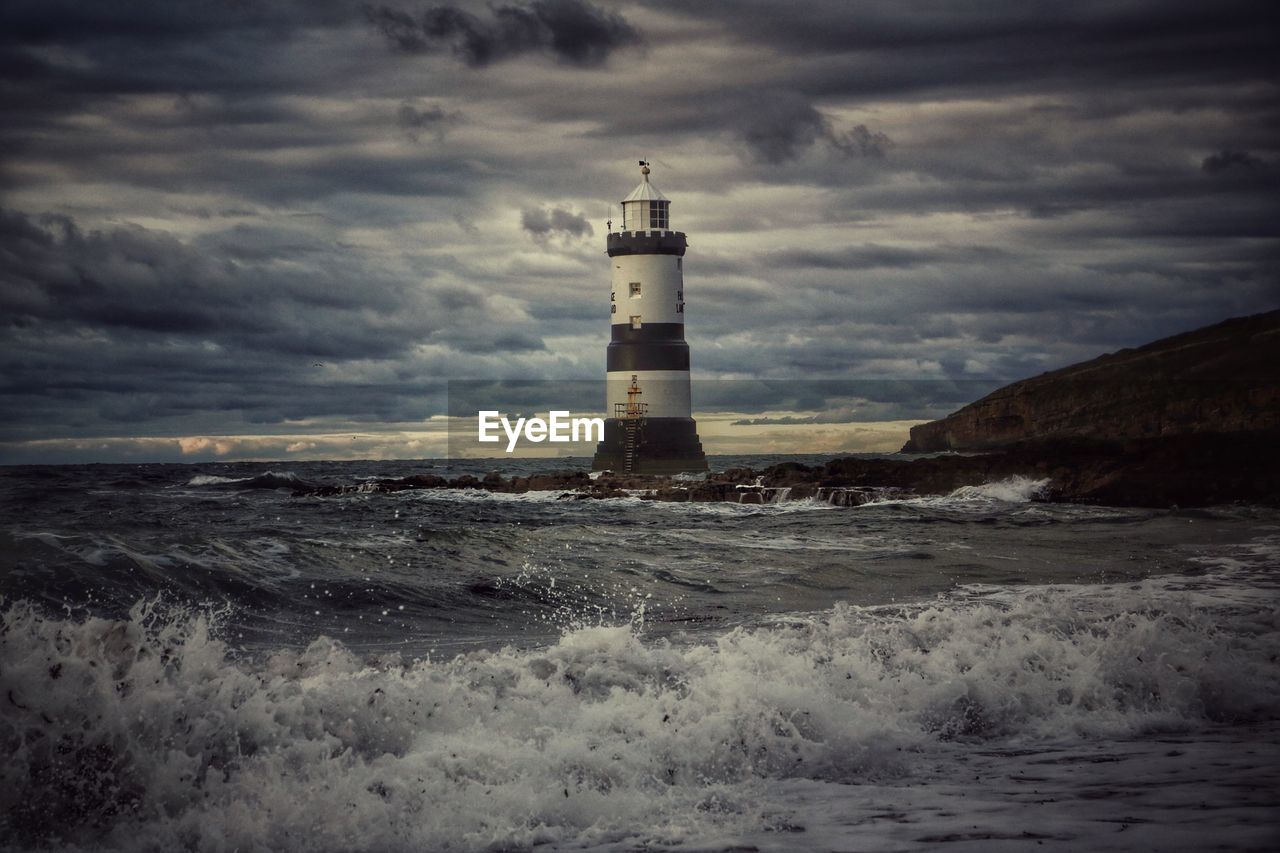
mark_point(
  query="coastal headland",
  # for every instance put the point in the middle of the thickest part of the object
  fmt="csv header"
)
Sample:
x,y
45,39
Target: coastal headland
x,y
1190,420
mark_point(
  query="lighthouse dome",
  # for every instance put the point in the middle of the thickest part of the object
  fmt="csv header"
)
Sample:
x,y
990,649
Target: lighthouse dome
x,y
646,209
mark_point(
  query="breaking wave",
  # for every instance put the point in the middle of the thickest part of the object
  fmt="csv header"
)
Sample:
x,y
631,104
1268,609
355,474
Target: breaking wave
x,y
1012,490
151,732
269,480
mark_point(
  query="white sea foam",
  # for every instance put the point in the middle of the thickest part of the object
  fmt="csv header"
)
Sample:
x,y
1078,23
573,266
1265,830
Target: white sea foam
x,y
1012,490
731,509
483,496
268,480
149,734
214,480
1015,489
837,541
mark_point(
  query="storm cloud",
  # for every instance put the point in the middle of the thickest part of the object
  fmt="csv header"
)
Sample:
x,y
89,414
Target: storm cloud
x,y
303,218
1228,159
542,223
573,31
417,120
780,125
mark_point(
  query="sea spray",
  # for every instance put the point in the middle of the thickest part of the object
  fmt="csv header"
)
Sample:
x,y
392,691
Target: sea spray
x,y
1011,490
151,732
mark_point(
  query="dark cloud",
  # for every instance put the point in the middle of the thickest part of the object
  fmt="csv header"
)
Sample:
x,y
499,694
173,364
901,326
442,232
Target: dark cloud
x,y
412,117
575,32
400,28
541,223
415,120
62,55
61,21
886,46
876,256
778,126
862,141
1225,159
129,325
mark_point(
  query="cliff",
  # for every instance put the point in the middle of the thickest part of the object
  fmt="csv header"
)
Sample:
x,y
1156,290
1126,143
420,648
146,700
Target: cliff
x,y
1219,379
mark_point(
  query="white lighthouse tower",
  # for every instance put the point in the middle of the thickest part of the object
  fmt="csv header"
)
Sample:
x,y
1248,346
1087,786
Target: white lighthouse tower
x,y
649,428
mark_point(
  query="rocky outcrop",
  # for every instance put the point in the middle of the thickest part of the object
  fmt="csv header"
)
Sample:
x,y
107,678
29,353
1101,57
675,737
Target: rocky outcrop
x,y
1188,470
1220,379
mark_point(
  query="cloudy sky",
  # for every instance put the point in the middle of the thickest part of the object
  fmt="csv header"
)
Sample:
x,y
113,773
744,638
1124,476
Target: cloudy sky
x,y
270,229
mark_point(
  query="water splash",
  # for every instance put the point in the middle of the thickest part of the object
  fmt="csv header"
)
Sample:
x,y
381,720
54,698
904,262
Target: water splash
x,y
151,732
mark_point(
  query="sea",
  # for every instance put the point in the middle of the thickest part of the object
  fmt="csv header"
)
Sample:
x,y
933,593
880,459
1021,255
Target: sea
x,y
194,658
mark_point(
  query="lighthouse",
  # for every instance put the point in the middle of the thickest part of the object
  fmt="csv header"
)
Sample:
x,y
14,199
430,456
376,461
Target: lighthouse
x,y
649,426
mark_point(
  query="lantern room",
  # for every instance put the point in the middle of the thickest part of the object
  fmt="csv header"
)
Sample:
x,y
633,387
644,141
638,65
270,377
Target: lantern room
x,y
646,209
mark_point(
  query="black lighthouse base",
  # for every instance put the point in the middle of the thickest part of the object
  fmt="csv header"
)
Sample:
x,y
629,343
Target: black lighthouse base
x,y
650,446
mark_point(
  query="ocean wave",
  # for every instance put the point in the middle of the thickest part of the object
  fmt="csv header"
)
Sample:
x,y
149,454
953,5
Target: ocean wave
x,y
150,732
730,509
1012,490
214,480
1015,489
269,480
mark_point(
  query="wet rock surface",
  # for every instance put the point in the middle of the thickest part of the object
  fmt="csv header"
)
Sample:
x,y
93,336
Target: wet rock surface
x,y
1187,470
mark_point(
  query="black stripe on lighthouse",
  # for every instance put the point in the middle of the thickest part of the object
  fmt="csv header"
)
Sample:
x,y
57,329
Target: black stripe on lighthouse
x,y
653,346
632,357
648,333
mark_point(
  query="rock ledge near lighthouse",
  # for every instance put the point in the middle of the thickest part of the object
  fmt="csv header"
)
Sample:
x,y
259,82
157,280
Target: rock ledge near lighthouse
x,y
1184,471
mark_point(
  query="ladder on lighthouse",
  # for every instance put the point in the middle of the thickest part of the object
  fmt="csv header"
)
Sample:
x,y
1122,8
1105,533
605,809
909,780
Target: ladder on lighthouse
x,y
631,413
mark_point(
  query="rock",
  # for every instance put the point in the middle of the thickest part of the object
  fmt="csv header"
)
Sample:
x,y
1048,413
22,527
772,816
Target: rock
x,y
1219,379
788,474
1189,471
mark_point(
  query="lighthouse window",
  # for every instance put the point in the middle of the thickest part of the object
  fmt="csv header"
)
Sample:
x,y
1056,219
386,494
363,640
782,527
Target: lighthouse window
x,y
613,309
658,214
635,321
635,288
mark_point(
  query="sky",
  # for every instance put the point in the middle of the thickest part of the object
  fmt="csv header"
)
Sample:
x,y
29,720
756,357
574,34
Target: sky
x,y
277,230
